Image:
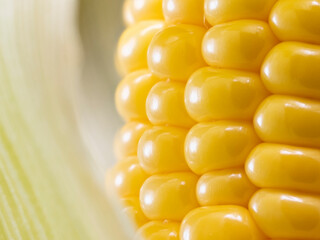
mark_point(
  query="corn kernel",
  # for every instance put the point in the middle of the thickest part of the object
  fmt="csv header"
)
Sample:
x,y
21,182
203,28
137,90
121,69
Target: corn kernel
x,y
286,167
219,223
289,120
219,145
175,52
293,68
157,230
169,196
126,140
131,95
165,105
161,150
281,214
225,187
132,208
241,44
296,20
220,11
254,89
135,11
217,94
133,46
127,177
184,11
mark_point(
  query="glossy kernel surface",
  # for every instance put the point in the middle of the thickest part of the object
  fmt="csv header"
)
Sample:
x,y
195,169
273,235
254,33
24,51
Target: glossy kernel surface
x,y
288,215
131,95
131,207
169,196
220,11
289,120
127,138
221,99
219,145
159,230
292,68
217,94
127,177
133,46
296,20
135,11
225,187
161,150
219,223
175,52
165,105
285,167
241,44
184,11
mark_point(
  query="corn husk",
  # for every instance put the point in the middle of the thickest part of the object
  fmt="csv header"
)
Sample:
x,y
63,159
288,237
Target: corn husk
x,y
48,183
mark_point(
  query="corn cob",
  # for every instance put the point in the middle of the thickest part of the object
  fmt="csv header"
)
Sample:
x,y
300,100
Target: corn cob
x,y
227,97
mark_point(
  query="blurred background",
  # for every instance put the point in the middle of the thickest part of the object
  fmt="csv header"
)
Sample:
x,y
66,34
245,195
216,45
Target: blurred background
x,y
57,119
100,26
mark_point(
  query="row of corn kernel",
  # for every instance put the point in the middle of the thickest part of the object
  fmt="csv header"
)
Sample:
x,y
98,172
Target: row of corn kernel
x,y
166,194
127,176
289,121
172,186
145,19
204,109
227,93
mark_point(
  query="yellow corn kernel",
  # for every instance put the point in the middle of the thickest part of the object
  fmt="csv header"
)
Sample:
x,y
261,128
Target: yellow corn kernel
x,y
135,11
127,177
289,120
287,167
184,11
175,52
161,150
131,95
217,94
158,230
241,44
169,196
281,214
126,140
225,187
296,20
293,68
213,135
219,145
131,207
165,105
220,11
219,223
133,46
